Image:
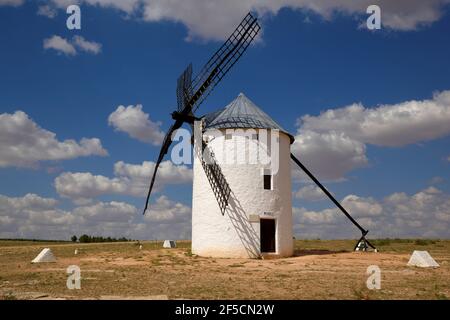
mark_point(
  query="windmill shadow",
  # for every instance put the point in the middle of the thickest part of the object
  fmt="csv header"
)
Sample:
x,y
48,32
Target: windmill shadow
x,y
243,227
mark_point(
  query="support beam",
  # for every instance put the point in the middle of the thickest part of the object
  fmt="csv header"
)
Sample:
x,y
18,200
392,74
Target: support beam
x,y
317,182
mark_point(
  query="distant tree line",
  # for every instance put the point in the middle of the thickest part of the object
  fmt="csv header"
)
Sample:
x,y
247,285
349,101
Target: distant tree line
x,y
94,239
31,240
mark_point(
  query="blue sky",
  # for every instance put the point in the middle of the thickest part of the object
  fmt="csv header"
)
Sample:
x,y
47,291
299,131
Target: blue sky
x,y
307,61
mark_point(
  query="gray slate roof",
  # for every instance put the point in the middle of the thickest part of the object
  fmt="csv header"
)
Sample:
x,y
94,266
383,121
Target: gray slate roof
x,y
242,113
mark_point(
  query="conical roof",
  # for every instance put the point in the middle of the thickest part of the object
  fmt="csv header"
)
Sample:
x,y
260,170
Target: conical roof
x,y
242,113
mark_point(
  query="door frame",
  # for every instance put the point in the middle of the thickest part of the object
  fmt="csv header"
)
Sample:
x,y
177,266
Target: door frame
x,y
275,220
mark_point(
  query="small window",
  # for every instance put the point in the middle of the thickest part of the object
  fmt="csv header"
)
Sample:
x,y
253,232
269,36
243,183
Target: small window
x,y
268,182
228,136
255,136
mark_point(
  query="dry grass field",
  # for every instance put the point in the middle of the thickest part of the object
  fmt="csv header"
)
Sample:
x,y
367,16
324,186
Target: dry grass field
x,y
320,270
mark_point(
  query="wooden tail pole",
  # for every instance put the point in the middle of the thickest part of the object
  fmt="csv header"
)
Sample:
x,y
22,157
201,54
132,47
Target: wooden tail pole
x,y
317,182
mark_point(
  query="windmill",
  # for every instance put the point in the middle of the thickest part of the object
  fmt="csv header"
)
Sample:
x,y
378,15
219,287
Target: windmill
x,y
210,232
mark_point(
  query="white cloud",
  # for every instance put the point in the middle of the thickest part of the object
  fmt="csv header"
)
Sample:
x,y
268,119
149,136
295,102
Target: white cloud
x,y
23,143
127,6
13,3
168,173
47,11
362,207
29,201
420,205
110,211
85,185
137,124
22,216
424,214
130,179
67,47
334,142
304,216
310,193
33,216
60,44
167,211
87,46
214,19
329,155
387,125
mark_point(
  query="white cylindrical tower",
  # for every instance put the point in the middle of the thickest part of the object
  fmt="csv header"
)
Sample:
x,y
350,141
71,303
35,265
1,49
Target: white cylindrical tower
x,y
258,217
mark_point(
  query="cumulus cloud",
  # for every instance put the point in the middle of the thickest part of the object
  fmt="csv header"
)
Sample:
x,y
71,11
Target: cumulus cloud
x,y
362,207
387,125
127,6
69,48
310,217
214,19
137,124
32,216
130,179
84,185
329,155
47,11
29,201
22,216
107,212
334,142
23,143
310,193
419,205
166,211
168,173
61,45
424,214
87,46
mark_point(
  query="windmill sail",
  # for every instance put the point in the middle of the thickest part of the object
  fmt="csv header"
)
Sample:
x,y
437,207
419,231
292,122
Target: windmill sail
x,y
164,149
184,88
190,94
224,58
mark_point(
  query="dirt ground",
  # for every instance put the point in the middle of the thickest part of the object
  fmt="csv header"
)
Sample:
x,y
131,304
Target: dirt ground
x,y
319,270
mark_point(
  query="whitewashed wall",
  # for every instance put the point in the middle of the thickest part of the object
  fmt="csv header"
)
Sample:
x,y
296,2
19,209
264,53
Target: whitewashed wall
x,y
232,234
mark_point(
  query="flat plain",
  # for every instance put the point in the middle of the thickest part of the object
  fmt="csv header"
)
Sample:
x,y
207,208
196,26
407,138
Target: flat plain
x,y
320,269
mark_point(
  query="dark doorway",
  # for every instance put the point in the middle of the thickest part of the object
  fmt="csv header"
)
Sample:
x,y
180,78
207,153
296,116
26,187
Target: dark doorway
x,y
267,182
267,235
